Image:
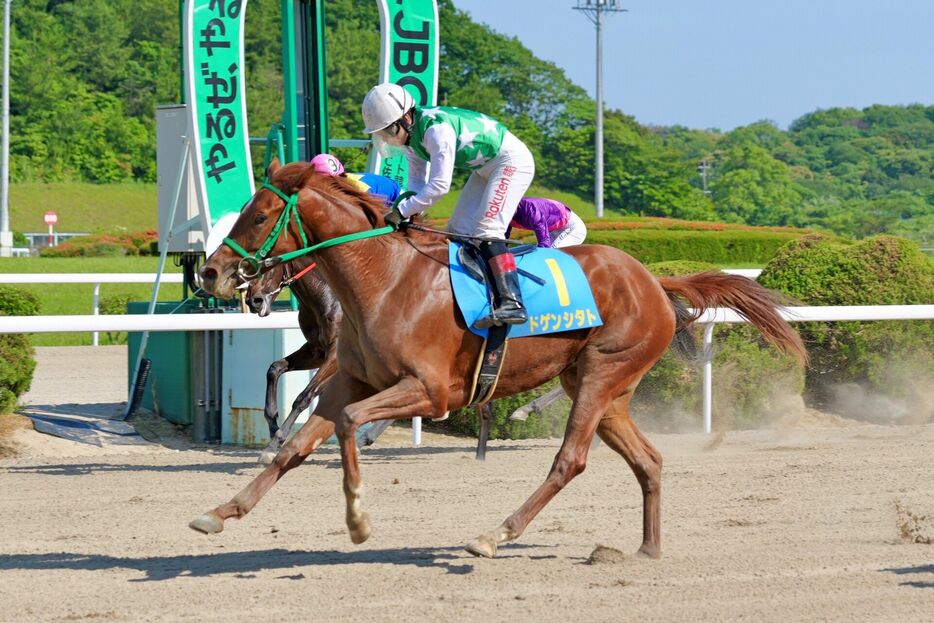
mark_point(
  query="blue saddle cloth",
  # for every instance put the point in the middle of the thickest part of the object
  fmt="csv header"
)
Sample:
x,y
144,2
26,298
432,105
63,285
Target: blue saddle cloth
x,y
563,303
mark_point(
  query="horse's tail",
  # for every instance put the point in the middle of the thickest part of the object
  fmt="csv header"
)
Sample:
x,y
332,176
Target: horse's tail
x,y
748,298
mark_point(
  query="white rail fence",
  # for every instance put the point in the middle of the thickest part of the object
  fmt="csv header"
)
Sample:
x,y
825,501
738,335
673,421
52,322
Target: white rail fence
x,y
96,278
289,320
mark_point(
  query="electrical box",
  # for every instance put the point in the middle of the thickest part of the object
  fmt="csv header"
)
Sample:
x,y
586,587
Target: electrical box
x,y
171,129
247,354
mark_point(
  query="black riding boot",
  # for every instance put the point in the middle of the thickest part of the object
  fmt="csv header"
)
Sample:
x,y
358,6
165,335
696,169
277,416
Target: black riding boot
x,y
507,298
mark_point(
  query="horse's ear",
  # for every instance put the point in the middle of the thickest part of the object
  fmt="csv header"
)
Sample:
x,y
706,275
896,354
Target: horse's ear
x,y
309,173
273,167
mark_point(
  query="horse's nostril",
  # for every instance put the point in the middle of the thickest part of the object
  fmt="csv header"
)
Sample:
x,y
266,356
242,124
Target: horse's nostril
x,y
208,273
257,301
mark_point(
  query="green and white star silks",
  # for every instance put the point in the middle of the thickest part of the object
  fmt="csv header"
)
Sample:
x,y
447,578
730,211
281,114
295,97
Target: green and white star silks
x,y
479,137
444,139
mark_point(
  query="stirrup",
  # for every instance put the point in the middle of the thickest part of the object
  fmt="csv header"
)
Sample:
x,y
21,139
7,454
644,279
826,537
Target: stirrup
x,y
500,317
487,321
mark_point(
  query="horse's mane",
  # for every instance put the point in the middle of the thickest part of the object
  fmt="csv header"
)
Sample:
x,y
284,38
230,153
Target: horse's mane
x,y
297,175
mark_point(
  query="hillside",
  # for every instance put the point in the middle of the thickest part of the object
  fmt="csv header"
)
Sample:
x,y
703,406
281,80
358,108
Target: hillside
x,y
88,75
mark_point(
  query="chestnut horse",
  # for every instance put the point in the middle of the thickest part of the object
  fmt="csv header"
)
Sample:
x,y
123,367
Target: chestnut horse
x,y
319,316
405,351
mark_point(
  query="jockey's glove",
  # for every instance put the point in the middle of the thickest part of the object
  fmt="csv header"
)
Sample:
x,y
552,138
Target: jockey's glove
x,y
393,218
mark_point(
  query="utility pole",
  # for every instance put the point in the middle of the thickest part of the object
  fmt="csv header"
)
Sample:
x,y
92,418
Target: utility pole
x,y
594,10
702,168
6,236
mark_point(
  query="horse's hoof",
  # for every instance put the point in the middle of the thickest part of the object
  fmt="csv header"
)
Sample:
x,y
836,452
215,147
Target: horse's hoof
x,y
650,551
361,531
482,546
266,457
208,523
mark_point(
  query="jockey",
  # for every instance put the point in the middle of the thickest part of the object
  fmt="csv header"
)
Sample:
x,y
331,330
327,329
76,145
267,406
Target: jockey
x,y
383,187
501,169
554,224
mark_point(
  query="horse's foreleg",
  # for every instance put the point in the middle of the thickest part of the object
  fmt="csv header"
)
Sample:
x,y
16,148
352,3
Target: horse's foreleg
x,y
315,430
406,399
305,358
319,427
620,433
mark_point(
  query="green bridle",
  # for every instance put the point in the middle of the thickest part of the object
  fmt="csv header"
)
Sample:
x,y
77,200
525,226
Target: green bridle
x,y
258,262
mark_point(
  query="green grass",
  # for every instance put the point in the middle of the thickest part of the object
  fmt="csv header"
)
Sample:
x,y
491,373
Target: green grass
x,y
77,298
82,207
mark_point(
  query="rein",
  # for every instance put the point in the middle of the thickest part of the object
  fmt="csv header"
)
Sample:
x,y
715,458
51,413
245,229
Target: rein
x,y
252,265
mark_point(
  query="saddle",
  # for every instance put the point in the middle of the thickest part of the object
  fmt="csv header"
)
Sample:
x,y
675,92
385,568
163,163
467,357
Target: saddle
x,y
563,301
490,363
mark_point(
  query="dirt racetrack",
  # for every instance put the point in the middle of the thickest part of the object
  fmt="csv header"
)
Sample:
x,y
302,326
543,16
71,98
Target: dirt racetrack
x,y
782,525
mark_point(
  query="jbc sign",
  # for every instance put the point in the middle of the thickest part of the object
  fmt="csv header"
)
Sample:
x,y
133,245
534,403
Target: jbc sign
x,y
409,57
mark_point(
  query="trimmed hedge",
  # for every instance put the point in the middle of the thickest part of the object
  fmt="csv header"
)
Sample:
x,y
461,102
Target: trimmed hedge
x,y
106,245
891,360
715,247
16,355
752,383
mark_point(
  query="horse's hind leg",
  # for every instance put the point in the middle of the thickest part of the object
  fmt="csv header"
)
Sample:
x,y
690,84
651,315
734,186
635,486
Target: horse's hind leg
x,y
590,403
620,433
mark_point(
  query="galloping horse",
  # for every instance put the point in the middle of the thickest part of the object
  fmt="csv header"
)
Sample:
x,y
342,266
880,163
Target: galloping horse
x,y
404,349
319,316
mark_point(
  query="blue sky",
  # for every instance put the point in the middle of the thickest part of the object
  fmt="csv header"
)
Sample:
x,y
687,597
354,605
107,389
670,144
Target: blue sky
x,y
727,63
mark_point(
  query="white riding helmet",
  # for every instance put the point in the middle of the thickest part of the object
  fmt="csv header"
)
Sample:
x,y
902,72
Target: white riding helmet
x,y
385,104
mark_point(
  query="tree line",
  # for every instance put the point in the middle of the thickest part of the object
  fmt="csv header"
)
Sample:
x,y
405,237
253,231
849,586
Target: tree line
x,y
87,75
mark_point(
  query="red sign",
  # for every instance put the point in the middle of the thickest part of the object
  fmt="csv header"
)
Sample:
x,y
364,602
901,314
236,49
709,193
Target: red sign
x,y
51,218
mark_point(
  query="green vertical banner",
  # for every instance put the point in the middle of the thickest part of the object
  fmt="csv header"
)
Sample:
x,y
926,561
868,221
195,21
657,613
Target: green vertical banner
x,y
408,57
215,88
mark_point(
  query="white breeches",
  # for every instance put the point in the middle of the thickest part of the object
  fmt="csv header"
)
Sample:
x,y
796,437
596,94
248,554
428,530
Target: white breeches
x,y
489,199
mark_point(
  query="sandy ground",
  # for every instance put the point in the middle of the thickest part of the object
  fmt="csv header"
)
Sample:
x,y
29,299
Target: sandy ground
x,y
805,523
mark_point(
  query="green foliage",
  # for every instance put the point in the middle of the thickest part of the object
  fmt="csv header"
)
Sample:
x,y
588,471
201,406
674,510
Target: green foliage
x,y
890,358
115,304
18,302
83,207
89,75
669,396
16,355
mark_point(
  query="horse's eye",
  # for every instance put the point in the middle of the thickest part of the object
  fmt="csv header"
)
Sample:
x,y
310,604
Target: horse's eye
x,y
259,219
